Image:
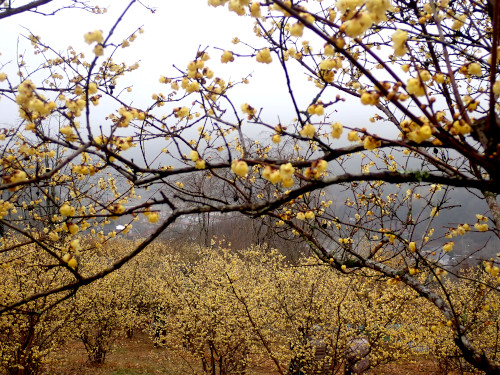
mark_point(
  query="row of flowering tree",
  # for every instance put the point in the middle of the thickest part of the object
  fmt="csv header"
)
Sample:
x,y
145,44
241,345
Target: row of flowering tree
x,y
233,312
424,72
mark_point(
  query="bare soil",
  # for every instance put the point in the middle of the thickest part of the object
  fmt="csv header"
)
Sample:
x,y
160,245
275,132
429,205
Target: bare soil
x,y
138,356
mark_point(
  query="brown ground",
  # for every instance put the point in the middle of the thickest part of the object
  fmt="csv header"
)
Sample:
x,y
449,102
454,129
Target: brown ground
x,y
138,356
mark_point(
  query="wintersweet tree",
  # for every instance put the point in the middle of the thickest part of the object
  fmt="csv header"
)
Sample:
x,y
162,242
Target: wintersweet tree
x,y
212,313
417,170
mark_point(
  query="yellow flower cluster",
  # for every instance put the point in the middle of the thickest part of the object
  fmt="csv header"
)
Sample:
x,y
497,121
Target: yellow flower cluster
x,y
240,168
399,39
71,227
123,143
238,6
5,206
316,109
474,69
67,210
336,130
226,57
447,247
75,107
264,56
153,217
317,169
200,164
327,67
181,112
272,174
459,22
460,127
358,21
249,110
255,9
308,215
353,136
412,246
370,98
14,178
414,86
481,225
377,9
31,105
287,171
297,29
496,88
415,132
70,260
127,115
357,25
371,143
84,169
283,174
93,36
196,70
194,156
307,131
490,268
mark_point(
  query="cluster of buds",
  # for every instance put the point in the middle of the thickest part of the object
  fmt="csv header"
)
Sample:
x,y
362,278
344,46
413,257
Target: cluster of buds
x,y
316,170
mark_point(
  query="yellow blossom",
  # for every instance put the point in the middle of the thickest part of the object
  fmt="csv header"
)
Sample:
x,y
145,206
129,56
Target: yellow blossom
x,y
353,136
297,29
481,217
371,143
153,217
447,247
94,36
496,88
248,109
399,39
336,130
287,170
200,164
357,25
321,166
193,155
227,56
73,263
481,227
264,56
474,69
307,131
240,168
255,9
415,87
287,182
67,210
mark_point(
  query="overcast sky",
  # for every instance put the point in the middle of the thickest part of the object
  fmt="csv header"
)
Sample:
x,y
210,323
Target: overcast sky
x,y
173,34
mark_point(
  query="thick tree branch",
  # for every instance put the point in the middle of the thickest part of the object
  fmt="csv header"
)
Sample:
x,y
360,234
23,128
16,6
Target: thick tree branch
x,y
8,12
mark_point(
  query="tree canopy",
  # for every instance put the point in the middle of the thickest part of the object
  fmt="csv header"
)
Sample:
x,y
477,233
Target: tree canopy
x,y
400,193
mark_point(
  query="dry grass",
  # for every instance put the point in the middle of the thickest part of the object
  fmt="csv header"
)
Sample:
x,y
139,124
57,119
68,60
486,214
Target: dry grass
x,y
135,356
138,356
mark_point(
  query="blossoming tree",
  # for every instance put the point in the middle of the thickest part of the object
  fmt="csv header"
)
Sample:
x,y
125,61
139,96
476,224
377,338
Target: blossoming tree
x,y
424,72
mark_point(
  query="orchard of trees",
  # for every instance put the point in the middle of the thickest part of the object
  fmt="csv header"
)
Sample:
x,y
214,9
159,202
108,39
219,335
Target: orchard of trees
x,y
399,211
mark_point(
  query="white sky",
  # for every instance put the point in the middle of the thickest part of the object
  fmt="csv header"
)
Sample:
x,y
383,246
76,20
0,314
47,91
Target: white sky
x,y
172,35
